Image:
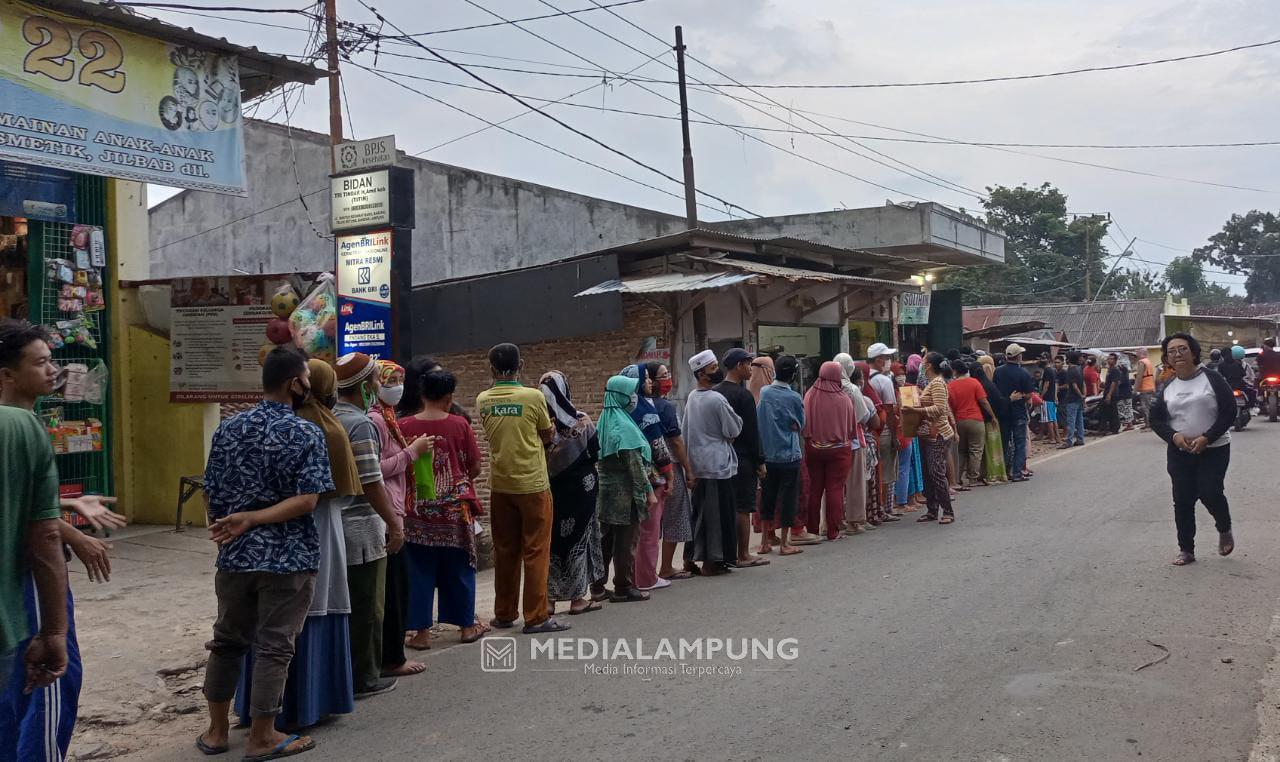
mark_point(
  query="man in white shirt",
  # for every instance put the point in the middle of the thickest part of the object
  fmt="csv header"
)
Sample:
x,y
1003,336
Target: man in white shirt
x,y
709,427
880,358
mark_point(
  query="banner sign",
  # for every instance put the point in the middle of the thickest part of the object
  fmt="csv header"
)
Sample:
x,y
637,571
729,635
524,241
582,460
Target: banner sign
x,y
913,308
364,154
97,99
218,331
364,294
360,201
38,193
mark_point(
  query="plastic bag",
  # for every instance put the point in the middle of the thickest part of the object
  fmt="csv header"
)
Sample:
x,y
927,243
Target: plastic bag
x,y
424,476
314,321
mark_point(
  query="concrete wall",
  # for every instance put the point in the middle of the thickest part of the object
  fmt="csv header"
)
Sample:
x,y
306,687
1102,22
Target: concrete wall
x,y
468,223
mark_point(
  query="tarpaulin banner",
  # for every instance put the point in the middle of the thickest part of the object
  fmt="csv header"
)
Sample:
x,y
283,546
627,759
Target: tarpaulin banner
x,y
364,294
92,98
39,193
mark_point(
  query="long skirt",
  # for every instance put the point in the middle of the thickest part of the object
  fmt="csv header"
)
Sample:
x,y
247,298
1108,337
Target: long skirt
x,y
443,573
37,726
993,454
917,468
937,490
855,496
575,533
676,523
715,532
319,682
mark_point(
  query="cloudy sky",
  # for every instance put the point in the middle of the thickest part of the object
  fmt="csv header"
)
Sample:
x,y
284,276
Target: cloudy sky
x,y
1228,98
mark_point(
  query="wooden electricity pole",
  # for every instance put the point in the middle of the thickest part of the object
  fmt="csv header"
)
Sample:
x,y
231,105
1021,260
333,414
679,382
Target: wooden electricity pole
x,y
335,86
690,193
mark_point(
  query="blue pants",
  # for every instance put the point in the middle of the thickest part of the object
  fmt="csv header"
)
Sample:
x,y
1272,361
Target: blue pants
x,y
1014,430
1074,412
38,727
447,570
906,460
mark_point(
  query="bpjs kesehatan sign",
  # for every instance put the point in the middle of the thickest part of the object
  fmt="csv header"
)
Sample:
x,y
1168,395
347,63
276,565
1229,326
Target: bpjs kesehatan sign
x,y
97,99
364,294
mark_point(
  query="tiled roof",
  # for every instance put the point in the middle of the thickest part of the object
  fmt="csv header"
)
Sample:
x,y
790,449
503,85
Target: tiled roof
x,y
1260,309
1125,323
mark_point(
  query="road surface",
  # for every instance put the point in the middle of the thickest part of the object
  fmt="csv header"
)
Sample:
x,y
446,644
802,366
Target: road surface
x,y
1013,634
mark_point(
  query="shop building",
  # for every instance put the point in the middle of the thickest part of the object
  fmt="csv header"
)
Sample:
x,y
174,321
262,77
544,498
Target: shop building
x,y
78,138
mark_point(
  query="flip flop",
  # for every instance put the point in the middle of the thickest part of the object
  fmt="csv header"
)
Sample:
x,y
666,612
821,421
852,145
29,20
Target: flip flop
x,y
209,750
754,562
926,517
484,630
1226,543
790,551
404,670
631,596
682,574
282,750
947,520
592,606
551,625
814,540
1182,559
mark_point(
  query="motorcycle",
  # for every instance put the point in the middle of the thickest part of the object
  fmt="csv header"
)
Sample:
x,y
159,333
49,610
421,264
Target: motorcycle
x,y
1242,410
1269,390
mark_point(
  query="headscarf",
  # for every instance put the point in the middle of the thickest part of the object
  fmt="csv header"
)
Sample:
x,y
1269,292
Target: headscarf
x,y
324,383
988,364
828,411
762,374
645,415
387,370
575,433
618,431
847,364
914,362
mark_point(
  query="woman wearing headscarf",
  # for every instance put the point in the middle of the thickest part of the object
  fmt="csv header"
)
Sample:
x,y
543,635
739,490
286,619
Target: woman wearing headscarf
x,y
855,493
398,457
649,537
440,544
320,682
993,469
571,463
935,435
626,494
829,428
762,374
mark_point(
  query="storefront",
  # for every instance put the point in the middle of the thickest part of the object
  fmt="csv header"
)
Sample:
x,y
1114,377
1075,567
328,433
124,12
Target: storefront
x,y
129,100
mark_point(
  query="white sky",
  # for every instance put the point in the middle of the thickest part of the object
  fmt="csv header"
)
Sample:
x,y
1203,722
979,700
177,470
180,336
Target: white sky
x,y
1227,98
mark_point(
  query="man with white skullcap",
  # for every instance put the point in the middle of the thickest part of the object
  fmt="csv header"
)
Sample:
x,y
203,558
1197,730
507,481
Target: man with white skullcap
x,y
709,427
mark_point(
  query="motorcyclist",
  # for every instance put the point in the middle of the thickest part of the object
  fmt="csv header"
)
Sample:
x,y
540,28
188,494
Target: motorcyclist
x,y
1215,359
1232,369
1269,360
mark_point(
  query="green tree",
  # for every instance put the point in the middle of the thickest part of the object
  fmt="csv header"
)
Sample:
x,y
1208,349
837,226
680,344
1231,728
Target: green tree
x,y
1138,284
1047,252
1186,280
1248,244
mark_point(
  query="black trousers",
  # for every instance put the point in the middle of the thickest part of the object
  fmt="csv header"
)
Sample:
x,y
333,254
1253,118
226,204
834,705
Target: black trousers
x,y
781,493
618,547
395,611
1111,416
1198,477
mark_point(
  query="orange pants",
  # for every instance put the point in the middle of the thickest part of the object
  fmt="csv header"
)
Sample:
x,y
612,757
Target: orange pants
x,y
521,526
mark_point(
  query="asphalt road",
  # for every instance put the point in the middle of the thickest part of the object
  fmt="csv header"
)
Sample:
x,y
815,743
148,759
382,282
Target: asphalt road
x,y
1013,634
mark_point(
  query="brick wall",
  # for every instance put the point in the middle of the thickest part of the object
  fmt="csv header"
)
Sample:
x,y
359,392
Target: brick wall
x,y
587,361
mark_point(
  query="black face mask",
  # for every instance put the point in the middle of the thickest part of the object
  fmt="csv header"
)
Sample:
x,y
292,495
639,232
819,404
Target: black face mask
x,y
299,400
716,377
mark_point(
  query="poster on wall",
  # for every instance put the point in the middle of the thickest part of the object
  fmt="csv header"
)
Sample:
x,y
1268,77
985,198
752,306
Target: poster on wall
x,y
87,97
37,193
913,309
364,294
218,329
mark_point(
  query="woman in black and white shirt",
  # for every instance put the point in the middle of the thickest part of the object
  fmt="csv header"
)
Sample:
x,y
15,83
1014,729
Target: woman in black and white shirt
x,y
1193,412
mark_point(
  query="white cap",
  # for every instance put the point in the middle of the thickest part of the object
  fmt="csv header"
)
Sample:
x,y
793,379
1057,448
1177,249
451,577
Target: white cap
x,y
1014,350
701,360
879,350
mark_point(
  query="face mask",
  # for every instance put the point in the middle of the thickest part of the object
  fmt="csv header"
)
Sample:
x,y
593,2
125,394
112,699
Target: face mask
x,y
664,386
716,377
299,400
391,395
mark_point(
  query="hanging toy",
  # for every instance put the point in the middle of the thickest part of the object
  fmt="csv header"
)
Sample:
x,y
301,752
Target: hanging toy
x,y
284,302
278,331
308,322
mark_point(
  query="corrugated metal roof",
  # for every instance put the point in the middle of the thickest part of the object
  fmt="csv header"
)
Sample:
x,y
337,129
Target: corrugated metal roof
x,y
795,274
1125,323
664,283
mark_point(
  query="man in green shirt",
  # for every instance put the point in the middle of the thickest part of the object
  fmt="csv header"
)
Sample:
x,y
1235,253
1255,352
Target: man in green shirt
x,y
30,538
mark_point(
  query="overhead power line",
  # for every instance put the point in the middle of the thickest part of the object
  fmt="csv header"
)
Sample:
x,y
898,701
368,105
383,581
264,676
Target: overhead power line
x,y
217,8
554,118
504,23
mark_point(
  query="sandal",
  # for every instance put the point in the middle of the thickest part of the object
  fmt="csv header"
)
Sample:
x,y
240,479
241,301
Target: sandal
x,y
1226,543
502,624
631,596
926,517
790,550
483,630
550,625
682,574
284,749
947,520
591,606
1184,558
207,749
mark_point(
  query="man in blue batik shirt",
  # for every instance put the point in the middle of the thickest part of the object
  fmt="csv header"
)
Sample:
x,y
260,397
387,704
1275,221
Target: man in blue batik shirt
x,y
267,468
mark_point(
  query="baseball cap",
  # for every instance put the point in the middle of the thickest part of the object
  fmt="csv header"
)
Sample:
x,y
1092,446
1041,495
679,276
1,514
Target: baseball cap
x,y
1014,350
786,366
880,350
701,360
735,357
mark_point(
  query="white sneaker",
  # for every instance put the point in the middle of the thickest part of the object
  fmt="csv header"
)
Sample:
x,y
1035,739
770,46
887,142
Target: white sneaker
x,y
661,583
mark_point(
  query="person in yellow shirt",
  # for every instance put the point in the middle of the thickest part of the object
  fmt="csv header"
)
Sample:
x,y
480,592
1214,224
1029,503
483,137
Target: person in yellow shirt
x,y
518,429
1144,382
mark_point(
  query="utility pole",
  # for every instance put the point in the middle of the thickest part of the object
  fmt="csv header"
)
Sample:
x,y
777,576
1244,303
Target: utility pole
x,y
335,86
1087,257
690,195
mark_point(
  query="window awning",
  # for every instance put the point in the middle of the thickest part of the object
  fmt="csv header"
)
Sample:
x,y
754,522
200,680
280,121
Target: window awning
x,y
740,271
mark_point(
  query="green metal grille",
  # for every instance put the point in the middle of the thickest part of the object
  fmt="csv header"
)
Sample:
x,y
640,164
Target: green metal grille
x,y
84,472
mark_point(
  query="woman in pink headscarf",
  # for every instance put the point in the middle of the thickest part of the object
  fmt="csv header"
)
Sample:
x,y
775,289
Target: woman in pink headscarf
x,y
761,375
829,427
